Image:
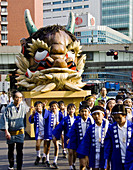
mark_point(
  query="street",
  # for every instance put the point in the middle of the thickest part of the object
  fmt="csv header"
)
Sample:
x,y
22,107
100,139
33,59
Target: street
x,y
30,155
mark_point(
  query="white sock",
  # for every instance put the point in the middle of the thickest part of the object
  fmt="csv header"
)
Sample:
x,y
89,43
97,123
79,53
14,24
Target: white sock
x,y
55,159
44,155
47,157
38,153
71,167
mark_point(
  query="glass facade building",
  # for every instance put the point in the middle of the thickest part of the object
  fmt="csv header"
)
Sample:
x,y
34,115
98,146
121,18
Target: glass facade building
x,y
118,14
100,35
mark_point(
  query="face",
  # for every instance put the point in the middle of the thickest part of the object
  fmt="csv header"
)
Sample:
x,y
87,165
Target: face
x,y
129,111
120,119
62,106
111,104
84,113
103,92
17,98
91,102
98,117
128,102
119,101
71,111
39,108
54,108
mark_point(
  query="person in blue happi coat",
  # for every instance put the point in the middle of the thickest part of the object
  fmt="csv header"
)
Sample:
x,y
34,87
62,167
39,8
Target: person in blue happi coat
x,y
92,145
117,138
129,156
65,125
63,110
52,118
79,128
37,118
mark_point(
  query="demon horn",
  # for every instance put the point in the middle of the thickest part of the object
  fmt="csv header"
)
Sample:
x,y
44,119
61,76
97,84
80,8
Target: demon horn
x,y
29,22
71,23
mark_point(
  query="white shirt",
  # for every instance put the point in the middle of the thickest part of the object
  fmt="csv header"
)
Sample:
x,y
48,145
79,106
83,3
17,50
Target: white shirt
x,y
56,118
4,99
98,137
72,120
122,132
41,123
83,125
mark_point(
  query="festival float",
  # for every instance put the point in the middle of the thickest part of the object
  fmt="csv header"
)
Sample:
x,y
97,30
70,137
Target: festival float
x,y
50,65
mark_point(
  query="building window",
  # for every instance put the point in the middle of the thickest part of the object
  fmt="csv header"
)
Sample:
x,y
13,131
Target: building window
x,y
77,0
77,7
56,2
4,37
48,3
86,6
47,10
57,9
3,18
67,8
4,28
67,1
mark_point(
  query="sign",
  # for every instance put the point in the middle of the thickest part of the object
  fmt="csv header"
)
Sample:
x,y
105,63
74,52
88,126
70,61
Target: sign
x,y
78,21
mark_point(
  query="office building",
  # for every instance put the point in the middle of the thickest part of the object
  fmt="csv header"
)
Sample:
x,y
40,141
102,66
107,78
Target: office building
x,y
57,11
118,14
12,23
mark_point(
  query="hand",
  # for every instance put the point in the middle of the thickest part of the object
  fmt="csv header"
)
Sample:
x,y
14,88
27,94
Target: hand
x,y
67,141
44,103
7,135
32,109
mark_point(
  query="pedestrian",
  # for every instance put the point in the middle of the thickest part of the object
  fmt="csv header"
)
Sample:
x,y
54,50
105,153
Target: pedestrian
x,y
79,128
117,138
103,93
65,126
3,100
52,119
92,145
14,130
37,117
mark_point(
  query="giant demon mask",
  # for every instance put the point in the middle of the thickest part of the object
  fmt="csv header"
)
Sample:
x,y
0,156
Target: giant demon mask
x,y
50,58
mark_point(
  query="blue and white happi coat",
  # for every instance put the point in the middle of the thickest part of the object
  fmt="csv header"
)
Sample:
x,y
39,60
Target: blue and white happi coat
x,y
35,120
49,122
76,133
88,145
64,125
112,149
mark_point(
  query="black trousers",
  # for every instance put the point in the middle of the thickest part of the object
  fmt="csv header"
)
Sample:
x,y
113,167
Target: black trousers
x,y
19,156
2,106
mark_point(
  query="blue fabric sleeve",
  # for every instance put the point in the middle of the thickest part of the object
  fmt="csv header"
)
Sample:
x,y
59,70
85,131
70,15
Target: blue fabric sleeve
x,y
108,145
58,130
85,145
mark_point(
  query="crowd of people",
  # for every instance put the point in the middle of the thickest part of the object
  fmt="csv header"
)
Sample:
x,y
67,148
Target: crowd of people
x,y
100,136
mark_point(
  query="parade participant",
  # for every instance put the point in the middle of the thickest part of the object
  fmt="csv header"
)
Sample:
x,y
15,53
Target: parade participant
x,y
129,156
119,99
92,145
79,128
103,93
90,101
117,138
14,130
37,118
65,125
63,110
3,100
52,119
109,105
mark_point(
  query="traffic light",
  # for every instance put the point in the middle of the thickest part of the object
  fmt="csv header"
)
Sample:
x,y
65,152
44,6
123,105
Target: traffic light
x,y
113,53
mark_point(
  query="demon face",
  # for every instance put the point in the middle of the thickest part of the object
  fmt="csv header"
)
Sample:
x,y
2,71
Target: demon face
x,y
50,59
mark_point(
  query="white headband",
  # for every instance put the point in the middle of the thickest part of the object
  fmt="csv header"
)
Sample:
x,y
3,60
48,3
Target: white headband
x,y
126,99
117,112
97,111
